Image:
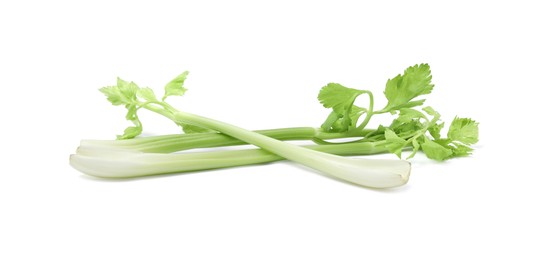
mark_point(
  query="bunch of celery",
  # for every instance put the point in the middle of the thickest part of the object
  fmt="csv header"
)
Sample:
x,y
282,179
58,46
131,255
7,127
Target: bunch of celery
x,y
414,128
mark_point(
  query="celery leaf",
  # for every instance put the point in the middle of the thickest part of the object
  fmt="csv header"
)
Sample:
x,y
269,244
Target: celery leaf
x,y
175,87
340,99
401,90
436,151
464,130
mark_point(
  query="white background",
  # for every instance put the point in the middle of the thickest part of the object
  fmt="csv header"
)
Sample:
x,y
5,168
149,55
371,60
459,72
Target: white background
x,y
260,65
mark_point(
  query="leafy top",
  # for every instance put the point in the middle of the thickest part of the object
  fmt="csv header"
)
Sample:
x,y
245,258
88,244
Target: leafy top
x,y
123,93
134,97
418,129
401,90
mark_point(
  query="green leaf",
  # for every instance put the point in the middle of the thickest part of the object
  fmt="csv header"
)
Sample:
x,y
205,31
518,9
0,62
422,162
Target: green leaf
x,y
460,150
175,87
432,112
355,113
130,132
408,114
340,99
147,94
435,151
339,123
400,91
435,130
395,144
406,128
129,91
124,93
113,95
464,130
415,148
120,83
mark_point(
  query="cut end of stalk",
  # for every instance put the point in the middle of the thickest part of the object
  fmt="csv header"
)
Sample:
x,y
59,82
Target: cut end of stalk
x,y
399,170
373,173
405,174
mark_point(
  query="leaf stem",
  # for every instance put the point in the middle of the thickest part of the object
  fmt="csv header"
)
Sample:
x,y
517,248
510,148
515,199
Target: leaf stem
x,y
370,110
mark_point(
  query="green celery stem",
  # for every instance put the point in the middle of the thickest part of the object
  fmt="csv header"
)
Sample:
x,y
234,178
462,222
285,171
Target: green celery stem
x,y
226,159
310,158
